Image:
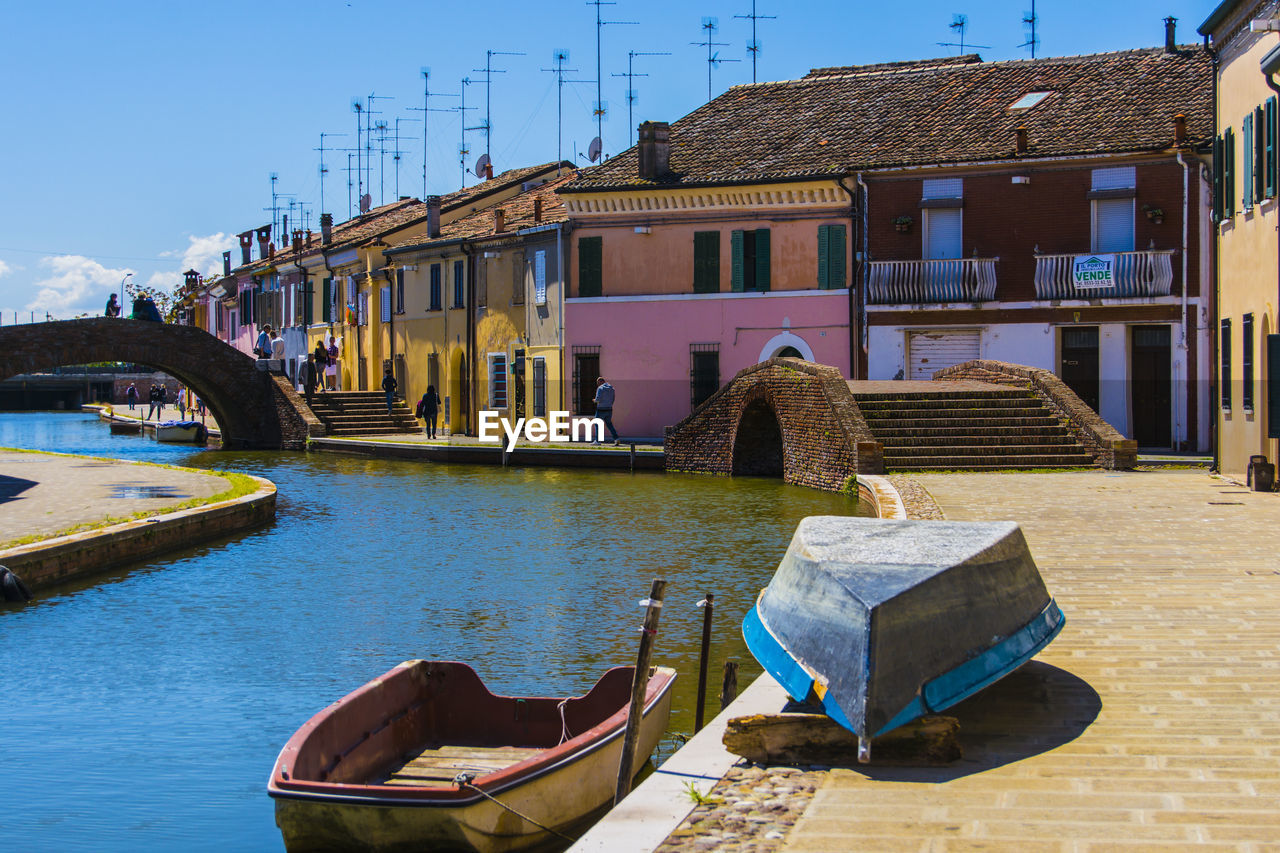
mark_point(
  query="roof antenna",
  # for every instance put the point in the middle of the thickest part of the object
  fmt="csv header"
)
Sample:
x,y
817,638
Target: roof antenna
x,y
463,148
398,153
753,46
560,56
710,25
324,170
960,23
600,108
489,71
1029,19
426,108
632,97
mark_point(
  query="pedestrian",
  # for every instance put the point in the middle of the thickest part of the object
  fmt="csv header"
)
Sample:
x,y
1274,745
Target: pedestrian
x,y
262,348
161,398
331,366
429,409
321,357
604,406
182,405
277,347
154,396
389,385
310,376
131,395
113,306
199,404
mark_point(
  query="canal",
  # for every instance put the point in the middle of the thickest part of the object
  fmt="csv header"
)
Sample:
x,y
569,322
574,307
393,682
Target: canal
x,y
144,709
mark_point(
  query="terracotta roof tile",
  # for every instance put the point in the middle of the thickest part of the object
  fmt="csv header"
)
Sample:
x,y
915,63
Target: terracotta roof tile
x,y
837,120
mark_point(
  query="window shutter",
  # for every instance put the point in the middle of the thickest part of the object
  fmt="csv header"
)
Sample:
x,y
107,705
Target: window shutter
x,y
943,231
1217,179
326,301
1273,386
735,265
400,291
824,270
540,277
1259,154
307,295
1228,173
1246,152
1269,179
590,263
706,261
435,287
835,256
1224,378
762,259
1114,224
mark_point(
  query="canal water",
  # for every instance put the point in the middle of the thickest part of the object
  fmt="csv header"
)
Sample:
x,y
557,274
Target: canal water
x,y
143,710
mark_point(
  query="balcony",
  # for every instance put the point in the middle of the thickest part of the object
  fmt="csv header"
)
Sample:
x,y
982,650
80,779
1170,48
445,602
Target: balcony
x,y
917,282
1133,274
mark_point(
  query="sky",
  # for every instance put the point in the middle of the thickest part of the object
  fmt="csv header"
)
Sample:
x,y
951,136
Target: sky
x,y
140,137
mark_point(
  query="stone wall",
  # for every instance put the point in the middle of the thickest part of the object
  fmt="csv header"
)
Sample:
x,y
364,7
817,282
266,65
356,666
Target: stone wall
x,y
1111,449
805,407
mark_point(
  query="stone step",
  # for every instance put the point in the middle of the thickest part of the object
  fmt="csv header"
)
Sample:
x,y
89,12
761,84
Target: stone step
x,y
984,429
1035,421
995,393
994,404
993,462
997,451
970,440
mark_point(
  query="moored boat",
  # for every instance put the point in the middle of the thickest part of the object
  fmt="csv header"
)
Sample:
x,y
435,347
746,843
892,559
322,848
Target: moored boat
x,y
191,432
881,622
426,758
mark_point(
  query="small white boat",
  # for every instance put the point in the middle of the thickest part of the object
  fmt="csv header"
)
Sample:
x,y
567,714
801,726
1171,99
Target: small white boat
x,y
184,432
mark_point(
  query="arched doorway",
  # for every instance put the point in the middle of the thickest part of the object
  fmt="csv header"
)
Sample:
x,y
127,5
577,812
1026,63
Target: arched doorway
x,y
789,352
757,446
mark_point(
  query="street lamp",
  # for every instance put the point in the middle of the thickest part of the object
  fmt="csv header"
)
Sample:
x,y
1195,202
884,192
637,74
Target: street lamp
x,y
122,281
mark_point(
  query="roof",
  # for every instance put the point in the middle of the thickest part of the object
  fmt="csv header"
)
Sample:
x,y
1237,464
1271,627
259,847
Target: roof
x,y
840,120
1218,15
517,215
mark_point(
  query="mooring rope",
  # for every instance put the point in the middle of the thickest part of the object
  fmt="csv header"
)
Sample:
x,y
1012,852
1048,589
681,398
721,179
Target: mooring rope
x,y
564,724
463,780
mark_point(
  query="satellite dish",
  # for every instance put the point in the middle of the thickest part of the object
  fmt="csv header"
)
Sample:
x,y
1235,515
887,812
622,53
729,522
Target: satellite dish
x,y
593,150
366,202
481,162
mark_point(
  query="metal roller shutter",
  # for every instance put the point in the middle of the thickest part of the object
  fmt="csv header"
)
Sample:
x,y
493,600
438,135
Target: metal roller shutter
x,y
928,351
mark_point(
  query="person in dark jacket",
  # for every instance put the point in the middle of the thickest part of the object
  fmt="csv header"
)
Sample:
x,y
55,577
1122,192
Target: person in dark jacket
x,y
429,409
389,385
310,376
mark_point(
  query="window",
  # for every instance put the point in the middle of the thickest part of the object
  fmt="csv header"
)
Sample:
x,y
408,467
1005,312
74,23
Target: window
x,y
706,262
306,294
1246,363
435,288
517,278
943,231
540,277
1269,174
586,369
1029,100
1259,154
749,252
590,266
498,380
459,285
831,255
401,368
1228,173
1224,377
326,301
400,291
1219,161
362,309
384,303
539,387
704,372
1113,209
1246,151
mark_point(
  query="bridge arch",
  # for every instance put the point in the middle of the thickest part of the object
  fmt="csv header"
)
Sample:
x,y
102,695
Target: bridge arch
x,y
757,441
254,410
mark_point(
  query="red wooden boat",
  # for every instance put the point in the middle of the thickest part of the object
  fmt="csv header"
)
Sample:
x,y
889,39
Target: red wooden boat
x,y
426,758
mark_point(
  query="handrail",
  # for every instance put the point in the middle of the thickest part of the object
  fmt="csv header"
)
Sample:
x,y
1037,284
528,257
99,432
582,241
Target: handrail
x,y
921,281
1136,274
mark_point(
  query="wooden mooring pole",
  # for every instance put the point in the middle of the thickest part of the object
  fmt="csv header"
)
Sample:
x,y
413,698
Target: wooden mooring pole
x,y
639,686
708,605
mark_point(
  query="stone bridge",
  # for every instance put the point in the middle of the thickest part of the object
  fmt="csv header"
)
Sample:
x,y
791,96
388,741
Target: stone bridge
x,y
781,418
254,409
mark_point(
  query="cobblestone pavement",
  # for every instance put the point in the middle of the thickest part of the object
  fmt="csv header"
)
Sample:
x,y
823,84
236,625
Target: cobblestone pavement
x,y
1151,723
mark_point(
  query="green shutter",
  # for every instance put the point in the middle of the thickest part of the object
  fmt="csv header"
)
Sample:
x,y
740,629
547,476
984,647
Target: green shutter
x,y
308,295
824,269
706,261
1269,176
735,270
1246,152
1259,154
835,256
1218,166
762,259
1272,386
590,266
1228,173
326,301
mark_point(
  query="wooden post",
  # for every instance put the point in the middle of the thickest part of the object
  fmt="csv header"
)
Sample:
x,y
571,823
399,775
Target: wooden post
x,y
707,604
639,686
633,457
729,690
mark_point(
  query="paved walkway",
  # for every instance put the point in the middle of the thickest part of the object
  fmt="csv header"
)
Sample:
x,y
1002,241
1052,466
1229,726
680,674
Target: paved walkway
x,y
44,494
1151,723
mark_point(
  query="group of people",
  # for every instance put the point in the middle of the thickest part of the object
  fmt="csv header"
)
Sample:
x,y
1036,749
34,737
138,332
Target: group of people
x,y
320,370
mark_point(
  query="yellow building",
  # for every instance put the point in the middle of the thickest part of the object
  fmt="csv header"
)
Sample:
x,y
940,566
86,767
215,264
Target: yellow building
x,y
1245,40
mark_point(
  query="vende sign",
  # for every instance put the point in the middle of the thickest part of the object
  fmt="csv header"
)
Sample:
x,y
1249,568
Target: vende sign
x,y
1093,271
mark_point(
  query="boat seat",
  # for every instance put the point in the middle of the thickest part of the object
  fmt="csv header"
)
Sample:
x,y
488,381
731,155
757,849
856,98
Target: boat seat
x,y
440,765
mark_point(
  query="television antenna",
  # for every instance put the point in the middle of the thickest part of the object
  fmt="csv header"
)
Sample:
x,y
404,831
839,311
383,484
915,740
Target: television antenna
x,y
349,185
463,148
1030,20
600,107
709,26
324,170
560,56
357,107
489,71
959,23
426,108
753,46
396,156
369,113
381,128
632,97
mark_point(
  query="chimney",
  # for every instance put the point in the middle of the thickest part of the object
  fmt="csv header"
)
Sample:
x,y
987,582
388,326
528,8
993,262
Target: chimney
x,y
433,216
488,171
308,238
264,237
1180,129
246,247
537,210
297,240
191,278
226,263
655,150
1020,140
326,229
284,224
499,220
271,250
1170,41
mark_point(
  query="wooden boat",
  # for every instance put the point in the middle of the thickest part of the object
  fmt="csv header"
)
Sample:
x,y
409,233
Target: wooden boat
x,y
190,432
880,622
426,758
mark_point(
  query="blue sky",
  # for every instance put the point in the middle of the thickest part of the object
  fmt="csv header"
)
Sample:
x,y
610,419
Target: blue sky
x,y
139,137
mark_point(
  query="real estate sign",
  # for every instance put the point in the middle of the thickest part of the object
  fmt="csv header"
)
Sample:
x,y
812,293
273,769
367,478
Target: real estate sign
x,y
1090,272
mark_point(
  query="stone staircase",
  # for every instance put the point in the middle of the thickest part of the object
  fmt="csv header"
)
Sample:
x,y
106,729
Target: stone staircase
x,y
970,430
348,413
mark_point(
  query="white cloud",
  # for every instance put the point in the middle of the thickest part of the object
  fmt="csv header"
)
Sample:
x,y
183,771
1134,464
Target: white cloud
x,y
204,254
76,285
164,280
5,269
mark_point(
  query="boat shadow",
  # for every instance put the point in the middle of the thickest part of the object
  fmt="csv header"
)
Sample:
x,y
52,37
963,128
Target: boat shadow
x,y
11,488
1033,710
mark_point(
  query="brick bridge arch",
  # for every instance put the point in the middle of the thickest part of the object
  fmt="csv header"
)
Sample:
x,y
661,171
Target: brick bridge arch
x,y
782,417
254,409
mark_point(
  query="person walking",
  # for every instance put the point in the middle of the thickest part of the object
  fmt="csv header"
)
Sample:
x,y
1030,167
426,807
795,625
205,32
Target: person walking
x,y
321,359
182,404
429,409
113,306
262,348
310,376
132,395
154,396
331,366
162,396
604,406
389,385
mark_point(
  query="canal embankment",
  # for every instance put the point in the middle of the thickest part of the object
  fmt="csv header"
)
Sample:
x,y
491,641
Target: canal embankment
x,y
67,517
465,449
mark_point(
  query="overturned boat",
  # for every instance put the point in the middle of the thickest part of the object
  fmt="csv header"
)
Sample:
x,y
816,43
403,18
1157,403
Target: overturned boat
x,y
881,622
188,432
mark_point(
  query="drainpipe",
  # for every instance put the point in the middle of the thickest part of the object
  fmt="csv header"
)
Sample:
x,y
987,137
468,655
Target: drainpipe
x,y
1270,66
864,268
563,274
1214,331
388,272
469,251
1186,346
855,361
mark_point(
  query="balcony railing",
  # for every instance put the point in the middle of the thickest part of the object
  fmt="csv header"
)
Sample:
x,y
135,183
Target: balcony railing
x,y
1148,273
915,282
